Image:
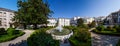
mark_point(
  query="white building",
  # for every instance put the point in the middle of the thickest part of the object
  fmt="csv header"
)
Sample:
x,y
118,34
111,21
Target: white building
x,y
6,16
64,21
73,20
88,20
113,18
52,22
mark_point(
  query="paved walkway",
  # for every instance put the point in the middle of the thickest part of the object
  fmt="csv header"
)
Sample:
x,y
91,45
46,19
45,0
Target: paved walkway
x,y
20,41
65,44
104,40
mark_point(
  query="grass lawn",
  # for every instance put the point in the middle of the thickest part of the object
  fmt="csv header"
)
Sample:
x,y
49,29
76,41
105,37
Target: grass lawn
x,y
7,37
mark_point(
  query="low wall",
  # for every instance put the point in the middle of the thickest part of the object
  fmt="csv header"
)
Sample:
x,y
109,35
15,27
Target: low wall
x,y
61,37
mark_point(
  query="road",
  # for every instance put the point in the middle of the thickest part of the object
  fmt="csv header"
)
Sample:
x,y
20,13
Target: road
x,y
19,41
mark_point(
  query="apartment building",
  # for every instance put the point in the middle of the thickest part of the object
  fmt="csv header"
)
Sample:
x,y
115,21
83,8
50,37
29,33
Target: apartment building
x,y
6,16
113,18
52,22
64,21
88,20
73,20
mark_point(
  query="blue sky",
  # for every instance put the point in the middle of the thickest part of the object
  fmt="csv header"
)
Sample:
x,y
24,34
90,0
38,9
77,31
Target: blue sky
x,y
71,8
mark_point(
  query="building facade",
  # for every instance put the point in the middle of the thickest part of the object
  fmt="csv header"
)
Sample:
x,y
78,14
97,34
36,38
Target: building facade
x,y
88,20
52,22
63,21
6,16
73,20
113,18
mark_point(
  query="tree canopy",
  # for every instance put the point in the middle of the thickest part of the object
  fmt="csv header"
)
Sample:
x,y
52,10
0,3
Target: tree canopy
x,y
32,12
80,22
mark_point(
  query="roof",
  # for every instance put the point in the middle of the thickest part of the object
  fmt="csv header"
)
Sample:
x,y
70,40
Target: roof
x,y
63,18
8,10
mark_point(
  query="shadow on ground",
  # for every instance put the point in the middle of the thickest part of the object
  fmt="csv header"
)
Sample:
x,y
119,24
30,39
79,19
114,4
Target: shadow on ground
x,y
104,40
22,43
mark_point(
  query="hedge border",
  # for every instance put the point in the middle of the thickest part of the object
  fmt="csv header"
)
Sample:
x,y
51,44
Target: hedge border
x,y
13,37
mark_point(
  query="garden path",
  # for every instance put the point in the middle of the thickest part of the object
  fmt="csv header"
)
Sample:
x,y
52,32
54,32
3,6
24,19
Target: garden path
x,y
19,41
104,40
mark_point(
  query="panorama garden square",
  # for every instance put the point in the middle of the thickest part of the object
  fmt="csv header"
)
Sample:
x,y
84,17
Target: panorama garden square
x,y
32,25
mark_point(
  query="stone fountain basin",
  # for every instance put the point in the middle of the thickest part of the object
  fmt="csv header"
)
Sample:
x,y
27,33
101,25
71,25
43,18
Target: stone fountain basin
x,y
63,32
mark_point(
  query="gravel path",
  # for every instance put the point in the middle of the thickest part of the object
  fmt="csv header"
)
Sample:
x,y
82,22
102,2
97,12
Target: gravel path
x,y
20,41
104,40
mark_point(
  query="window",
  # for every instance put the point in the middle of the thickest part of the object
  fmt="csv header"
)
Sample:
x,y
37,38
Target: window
x,y
0,23
4,18
1,12
5,25
10,14
4,12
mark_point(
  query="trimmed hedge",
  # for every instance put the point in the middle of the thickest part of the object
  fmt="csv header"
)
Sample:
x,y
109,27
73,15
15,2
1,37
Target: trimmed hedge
x,y
81,37
108,30
8,36
107,33
41,38
75,42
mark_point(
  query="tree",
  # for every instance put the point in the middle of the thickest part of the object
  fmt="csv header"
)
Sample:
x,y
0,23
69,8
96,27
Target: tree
x,y
2,31
93,24
32,12
80,22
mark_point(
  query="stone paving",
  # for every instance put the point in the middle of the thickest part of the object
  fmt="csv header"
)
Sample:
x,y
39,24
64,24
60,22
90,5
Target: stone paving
x,y
65,44
20,41
104,40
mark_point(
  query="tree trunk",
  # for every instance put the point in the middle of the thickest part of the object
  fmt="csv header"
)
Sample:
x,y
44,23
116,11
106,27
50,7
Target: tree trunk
x,y
35,26
24,25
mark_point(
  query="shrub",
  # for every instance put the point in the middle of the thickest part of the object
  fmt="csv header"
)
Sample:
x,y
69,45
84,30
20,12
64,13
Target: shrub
x,y
40,38
100,28
7,37
69,27
118,29
12,31
93,24
2,31
116,26
114,30
83,35
109,28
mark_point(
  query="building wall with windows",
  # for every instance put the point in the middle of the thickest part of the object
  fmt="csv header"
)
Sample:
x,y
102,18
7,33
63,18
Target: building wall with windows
x,y
113,18
52,22
73,20
6,16
64,22
88,20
